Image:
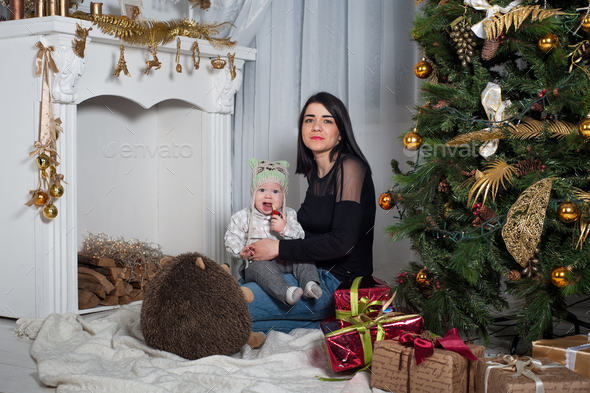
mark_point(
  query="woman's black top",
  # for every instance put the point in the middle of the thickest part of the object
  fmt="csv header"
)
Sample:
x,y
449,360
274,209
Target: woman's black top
x,y
338,216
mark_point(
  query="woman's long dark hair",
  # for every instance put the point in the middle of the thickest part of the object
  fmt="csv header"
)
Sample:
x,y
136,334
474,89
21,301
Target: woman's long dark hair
x,y
347,145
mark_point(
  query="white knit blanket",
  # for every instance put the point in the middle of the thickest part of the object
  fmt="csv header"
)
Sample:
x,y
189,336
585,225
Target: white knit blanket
x,y
110,355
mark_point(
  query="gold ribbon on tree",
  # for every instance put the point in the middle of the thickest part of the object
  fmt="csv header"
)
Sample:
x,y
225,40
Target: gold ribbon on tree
x,y
491,10
491,99
524,225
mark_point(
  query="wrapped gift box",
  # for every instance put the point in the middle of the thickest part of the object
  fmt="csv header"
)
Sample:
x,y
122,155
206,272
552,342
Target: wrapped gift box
x,y
351,347
554,379
394,369
571,351
351,295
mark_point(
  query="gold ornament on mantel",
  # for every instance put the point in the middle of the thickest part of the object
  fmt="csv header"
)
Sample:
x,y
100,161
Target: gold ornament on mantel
x,y
568,212
197,58
232,67
548,42
80,45
154,62
121,64
178,66
524,224
218,63
423,69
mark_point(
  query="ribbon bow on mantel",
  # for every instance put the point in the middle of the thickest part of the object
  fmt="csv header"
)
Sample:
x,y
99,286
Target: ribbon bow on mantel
x,y
526,366
424,344
491,99
491,10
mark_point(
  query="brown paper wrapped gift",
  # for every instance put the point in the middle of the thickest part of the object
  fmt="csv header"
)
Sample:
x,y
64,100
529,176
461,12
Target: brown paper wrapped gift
x,y
556,379
394,369
556,349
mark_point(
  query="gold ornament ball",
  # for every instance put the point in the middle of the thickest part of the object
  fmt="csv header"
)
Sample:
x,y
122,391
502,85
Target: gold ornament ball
x,y
424,278
445,210
584,127
568,212
42,198
50,212
386,201
423,69
559,276
586,25
412,141
51,172
56,190
43,161
548,41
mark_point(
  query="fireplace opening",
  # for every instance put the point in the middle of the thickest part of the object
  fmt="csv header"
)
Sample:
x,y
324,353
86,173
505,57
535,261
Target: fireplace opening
x,y
139,174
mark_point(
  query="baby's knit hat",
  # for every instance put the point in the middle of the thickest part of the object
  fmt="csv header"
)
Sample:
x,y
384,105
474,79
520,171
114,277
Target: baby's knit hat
x,y
267,172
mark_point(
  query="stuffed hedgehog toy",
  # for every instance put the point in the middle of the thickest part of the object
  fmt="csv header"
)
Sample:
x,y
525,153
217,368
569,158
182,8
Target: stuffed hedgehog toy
x,y
194,308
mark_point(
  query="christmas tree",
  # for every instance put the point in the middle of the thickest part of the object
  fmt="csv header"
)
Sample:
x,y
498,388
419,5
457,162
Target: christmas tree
x,y
497,200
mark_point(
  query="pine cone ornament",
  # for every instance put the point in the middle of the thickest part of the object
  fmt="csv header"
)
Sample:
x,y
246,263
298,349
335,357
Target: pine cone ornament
x,y
537,107
514,275
524,167
444,185
555,92
442,104
490,47
470,173
485,214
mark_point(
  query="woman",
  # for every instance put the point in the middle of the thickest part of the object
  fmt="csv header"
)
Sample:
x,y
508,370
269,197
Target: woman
x,y
338,216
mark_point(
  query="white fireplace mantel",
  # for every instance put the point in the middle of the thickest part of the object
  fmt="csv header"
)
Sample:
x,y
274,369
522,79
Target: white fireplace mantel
x,y
39,257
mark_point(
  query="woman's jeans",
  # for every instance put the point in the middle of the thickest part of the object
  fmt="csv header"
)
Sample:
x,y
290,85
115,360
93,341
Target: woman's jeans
x,y
270,314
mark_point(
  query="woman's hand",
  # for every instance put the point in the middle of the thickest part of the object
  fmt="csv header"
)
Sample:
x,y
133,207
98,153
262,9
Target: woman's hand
x,y
265,250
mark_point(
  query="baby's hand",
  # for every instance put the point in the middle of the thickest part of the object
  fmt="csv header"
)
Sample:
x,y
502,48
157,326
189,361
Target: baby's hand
x,y
277,223
246,252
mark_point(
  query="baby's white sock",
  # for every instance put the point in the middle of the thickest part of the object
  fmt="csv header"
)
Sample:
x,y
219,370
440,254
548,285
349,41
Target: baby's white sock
x,y
293,295
312,290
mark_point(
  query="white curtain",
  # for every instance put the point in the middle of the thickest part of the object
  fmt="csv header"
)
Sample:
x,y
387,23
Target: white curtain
x,y
360,51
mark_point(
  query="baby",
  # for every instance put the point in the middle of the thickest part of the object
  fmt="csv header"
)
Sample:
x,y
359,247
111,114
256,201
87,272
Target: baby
x,y
262,219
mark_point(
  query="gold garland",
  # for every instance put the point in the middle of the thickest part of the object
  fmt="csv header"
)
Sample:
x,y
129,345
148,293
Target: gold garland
x,y
502,22
151,32
524,224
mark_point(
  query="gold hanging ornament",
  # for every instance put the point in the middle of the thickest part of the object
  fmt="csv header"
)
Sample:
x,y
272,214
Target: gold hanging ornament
x,y
424,278
386,201
584,127
154,62
423,69
560,277
56,190
50,212
585,23
463,37
178,66
42,198
197,58
232,67
51,170
121,64
412,140
568,212
80,45
218,63
43,161
548,41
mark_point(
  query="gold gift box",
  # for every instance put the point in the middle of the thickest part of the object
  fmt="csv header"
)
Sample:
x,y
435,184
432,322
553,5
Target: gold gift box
x,y
556,349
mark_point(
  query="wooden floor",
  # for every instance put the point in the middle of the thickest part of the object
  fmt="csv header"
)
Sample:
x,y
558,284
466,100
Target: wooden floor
x,y
18,371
